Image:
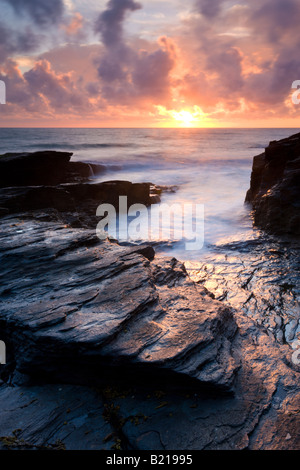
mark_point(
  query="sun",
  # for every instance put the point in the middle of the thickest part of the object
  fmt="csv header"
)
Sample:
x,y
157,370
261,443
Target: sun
x,y
183,118
186,118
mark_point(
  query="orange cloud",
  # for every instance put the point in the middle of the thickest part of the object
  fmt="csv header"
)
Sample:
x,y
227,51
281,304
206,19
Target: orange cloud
x,y
75,24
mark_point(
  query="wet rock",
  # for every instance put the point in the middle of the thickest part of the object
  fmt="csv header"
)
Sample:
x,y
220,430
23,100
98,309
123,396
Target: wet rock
x,y
85,170
71,199
261,279
291,329
275,187
43,168
261,413
160,351
48,181
55,417
83,311
259,416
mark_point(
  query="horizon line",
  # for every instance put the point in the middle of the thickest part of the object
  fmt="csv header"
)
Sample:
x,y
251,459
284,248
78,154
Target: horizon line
x,y
156,128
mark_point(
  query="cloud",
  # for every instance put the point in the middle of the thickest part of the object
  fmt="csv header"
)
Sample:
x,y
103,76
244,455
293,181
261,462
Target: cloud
x,y
151,73
12,42
42,12
19,95
209,8
60,90
42,90
275,24
224,56
127,73
118,56
274,19
110,21
75,24
273,85
16,40
242,51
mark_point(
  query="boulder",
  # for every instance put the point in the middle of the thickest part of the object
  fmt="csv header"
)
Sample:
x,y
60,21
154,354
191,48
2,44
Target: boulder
x,y
43,168
83,311
275,187
56,417
79,200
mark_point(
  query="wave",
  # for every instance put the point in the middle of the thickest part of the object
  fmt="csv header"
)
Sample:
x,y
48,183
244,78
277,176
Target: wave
x,y
68,146
257,146
227,162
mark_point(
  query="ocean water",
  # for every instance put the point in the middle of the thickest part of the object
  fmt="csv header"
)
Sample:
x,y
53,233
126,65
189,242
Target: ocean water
x,y
211,167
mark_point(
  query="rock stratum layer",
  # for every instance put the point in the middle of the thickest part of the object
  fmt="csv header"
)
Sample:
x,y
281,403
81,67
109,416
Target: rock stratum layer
x,y
107,307
174,368
275,187
75,203
46,185
43,168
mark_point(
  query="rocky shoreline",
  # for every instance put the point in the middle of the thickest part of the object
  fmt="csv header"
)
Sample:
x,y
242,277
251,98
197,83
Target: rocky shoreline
x,y
275,187
113,346
260,277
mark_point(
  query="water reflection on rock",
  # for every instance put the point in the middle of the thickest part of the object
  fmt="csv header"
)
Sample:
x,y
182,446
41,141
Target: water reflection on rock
x,y
260,277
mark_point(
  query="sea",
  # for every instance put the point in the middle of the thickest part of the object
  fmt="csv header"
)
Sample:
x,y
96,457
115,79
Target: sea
x,y
210,168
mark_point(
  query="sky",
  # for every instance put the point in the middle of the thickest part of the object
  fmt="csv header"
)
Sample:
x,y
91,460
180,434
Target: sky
x,y
149,63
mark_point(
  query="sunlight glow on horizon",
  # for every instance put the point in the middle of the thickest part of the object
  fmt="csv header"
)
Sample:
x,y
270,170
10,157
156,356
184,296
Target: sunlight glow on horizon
x,y
156,64
184,118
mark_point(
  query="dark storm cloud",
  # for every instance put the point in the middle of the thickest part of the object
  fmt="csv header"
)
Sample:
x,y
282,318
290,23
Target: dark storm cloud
x,y
40,11
12,42
209,8
6,47
110,22
281,13
118,56
275,18
271,17
125,72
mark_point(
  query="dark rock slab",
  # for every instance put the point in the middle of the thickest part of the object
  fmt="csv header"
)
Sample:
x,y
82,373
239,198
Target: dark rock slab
x,y
262,414
55,417
275,187
77,310
43,168
160,351
76,203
